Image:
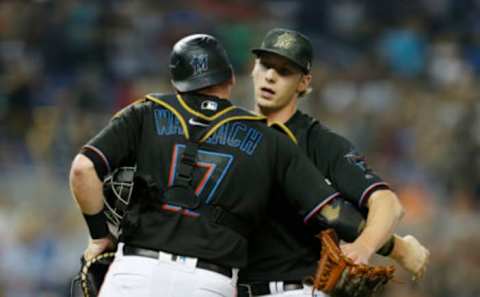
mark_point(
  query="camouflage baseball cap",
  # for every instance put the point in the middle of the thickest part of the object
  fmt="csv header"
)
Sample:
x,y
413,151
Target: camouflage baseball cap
x,y
289,44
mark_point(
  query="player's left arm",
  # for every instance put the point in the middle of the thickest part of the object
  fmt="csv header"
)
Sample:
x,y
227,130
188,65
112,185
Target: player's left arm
x,y
96,159
85,185
384,213
87,191
350,174
349,222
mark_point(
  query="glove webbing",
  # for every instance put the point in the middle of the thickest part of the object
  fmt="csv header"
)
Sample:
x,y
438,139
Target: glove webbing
x,y
86,267
333,264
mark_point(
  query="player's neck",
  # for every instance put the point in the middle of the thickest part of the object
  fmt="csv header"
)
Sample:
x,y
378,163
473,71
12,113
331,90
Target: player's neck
x,y
223,90
281,115
220,93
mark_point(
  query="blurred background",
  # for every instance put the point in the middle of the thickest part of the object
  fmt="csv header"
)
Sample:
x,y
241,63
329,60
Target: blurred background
x,y
399,78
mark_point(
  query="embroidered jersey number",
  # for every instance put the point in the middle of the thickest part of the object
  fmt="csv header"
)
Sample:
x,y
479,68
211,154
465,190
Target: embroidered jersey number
x,y
212,168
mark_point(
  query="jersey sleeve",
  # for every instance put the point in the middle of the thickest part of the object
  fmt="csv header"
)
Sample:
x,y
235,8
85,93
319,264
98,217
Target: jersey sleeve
x,y
116,142
301,183
346,168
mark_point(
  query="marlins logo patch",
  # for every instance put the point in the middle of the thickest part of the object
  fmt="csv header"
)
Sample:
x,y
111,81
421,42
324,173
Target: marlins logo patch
x,y
358,160
286,41
199,63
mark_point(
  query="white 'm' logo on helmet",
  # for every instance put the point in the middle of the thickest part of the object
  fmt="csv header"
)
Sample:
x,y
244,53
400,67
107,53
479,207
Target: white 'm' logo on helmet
x,y
199,63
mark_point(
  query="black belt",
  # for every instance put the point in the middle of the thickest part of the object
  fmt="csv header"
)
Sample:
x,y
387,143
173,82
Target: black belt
x,y
255,289
136,251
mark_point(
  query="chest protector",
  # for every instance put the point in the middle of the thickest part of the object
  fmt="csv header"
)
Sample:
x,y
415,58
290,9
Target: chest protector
x,y
181,192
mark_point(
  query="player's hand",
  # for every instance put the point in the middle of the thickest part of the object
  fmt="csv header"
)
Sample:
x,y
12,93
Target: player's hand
x,y
357,251
414,257
97,246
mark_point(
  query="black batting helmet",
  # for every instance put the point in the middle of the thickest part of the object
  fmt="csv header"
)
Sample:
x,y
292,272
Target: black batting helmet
x,y
198,61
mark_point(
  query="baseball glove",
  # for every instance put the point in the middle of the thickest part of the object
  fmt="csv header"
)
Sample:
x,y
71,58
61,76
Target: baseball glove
x,y
88,281
338,276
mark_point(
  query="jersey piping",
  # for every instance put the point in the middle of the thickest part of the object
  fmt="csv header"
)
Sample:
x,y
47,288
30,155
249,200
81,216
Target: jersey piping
x,y
174,111
285,129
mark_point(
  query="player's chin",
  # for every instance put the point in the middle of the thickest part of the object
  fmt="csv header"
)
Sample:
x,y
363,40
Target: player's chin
x,y
267,103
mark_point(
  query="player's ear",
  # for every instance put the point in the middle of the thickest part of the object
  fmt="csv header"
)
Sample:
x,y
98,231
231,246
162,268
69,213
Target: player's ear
x,y
230,83
254,66
304,83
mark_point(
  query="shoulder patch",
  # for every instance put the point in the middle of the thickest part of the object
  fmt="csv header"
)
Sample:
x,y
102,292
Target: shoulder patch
x,y
355,158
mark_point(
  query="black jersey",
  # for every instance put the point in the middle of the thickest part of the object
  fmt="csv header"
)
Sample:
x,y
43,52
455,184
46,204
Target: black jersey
x,y
240,163
280,250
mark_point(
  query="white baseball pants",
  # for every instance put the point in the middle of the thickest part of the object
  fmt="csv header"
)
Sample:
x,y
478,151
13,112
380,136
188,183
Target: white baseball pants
x,y
136,276
277,291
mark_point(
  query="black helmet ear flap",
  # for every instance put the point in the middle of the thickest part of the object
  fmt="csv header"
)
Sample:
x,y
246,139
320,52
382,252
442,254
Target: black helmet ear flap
x,y
198,61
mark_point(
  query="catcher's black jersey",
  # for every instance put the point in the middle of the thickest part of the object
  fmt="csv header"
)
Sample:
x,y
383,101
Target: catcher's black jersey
x,y
281,249
240,163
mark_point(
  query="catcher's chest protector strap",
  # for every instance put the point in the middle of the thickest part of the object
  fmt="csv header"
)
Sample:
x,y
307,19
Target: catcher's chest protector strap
x,y
181,192
208,125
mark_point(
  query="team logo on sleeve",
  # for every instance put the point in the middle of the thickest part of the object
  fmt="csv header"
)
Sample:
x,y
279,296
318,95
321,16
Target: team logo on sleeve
x,y
199,63
353,157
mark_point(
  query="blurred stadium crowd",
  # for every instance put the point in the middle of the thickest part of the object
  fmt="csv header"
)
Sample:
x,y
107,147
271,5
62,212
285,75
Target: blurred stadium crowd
x,y
398,78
